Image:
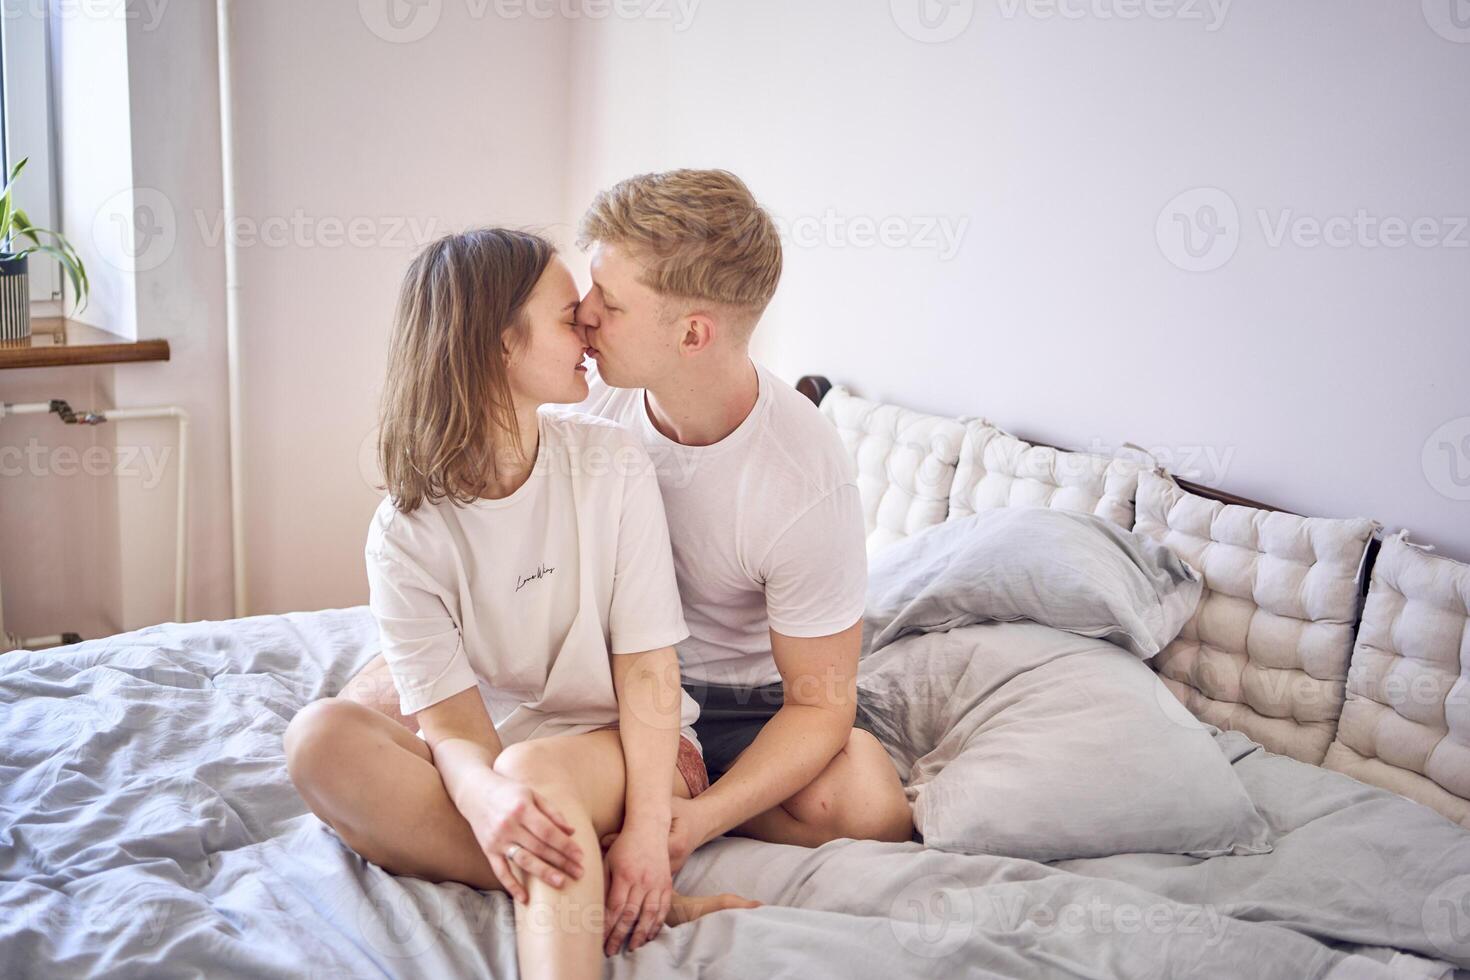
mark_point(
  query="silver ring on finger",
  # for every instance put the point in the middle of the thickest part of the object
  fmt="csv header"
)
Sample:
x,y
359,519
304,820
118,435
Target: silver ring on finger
x,y
511,852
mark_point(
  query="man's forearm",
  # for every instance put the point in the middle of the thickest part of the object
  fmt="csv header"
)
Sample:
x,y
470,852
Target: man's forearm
x,y
790,751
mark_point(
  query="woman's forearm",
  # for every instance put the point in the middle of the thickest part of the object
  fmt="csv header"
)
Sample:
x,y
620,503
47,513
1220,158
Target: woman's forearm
x,y
462,740
456,758
649,698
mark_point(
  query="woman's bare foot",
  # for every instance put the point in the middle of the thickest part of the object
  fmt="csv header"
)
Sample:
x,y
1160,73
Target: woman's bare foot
x,y
687,908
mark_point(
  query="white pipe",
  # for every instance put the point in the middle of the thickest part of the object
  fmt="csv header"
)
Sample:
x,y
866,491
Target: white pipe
x,y
181,540
232,305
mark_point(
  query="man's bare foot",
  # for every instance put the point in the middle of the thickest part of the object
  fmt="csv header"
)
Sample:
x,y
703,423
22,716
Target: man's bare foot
x,y
687,908
373,686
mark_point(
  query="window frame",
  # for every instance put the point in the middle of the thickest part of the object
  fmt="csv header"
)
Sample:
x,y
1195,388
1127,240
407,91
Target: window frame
x,y
27,127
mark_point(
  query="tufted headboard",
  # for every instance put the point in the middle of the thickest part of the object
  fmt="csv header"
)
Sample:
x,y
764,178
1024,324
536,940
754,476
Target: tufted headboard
x,y
1266,651
1406,725
816,387
1302,641
905,464
997,469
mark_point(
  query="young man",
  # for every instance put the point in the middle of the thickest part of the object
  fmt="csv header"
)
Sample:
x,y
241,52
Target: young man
x,y
763,510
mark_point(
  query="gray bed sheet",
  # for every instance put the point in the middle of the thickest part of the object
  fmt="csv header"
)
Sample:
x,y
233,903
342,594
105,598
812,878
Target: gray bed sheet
x,y
148,829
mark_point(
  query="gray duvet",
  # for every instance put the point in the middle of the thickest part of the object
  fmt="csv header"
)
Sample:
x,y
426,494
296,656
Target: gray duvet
x,y
148,829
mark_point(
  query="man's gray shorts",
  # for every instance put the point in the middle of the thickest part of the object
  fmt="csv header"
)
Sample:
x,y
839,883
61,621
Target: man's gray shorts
x,y
731,717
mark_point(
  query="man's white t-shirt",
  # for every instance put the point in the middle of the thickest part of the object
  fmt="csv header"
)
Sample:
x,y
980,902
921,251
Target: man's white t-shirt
x,y
766,524
525,597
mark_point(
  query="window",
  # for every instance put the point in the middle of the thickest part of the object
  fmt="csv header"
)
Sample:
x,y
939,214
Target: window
x,y
25,125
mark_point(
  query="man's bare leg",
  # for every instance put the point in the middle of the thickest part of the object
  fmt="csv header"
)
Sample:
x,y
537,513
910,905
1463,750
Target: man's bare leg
x,y
858,795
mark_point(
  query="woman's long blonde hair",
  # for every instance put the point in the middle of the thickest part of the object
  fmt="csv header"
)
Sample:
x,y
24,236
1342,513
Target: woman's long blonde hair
x,y
447,402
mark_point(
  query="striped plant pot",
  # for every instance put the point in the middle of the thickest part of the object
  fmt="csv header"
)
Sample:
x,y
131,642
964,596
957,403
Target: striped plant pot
x,y
15,298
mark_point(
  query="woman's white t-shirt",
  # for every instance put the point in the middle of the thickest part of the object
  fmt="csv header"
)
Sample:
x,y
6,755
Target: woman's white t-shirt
x,y
526,596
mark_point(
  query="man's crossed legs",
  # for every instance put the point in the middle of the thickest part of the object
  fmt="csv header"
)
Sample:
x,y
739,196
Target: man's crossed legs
x,y
857,795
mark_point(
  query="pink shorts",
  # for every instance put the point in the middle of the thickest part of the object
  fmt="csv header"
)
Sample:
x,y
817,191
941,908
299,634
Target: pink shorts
x,y
689,762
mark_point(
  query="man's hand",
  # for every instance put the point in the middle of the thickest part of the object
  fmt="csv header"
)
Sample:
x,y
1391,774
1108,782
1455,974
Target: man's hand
x,y
686,833
640,888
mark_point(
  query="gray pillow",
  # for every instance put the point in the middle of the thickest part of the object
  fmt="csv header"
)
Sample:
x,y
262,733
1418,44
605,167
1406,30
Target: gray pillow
x,y
1021,740
1075,572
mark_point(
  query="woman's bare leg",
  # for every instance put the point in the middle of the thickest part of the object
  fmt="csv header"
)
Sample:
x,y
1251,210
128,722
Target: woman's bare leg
x,y
583,775
375,783
373,686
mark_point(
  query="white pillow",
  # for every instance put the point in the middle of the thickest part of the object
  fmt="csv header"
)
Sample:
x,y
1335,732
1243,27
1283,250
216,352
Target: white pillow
x,y
1025,741
1076,572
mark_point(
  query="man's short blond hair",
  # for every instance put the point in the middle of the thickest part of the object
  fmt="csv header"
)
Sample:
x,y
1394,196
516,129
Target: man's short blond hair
x,y
700,234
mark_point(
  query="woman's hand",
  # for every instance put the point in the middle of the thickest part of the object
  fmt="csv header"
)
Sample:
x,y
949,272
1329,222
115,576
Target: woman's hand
x,y
640,886
685,835
506,814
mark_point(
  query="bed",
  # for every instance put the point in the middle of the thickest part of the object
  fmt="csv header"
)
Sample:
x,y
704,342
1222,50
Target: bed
x,y
148,828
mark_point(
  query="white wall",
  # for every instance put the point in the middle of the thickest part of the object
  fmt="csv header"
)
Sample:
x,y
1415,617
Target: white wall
x,y
1313,378
180,298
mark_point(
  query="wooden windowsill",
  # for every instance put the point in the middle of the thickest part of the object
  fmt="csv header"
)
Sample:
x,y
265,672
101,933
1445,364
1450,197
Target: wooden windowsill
x,y
57,342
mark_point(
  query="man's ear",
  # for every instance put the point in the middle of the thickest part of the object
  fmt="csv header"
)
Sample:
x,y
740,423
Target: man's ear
x,y
699,331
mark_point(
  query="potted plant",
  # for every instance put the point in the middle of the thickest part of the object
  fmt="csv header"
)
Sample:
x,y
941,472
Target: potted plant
x,y
16,231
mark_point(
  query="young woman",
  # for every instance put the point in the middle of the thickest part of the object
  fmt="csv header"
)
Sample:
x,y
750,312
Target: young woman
x,y
523,583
